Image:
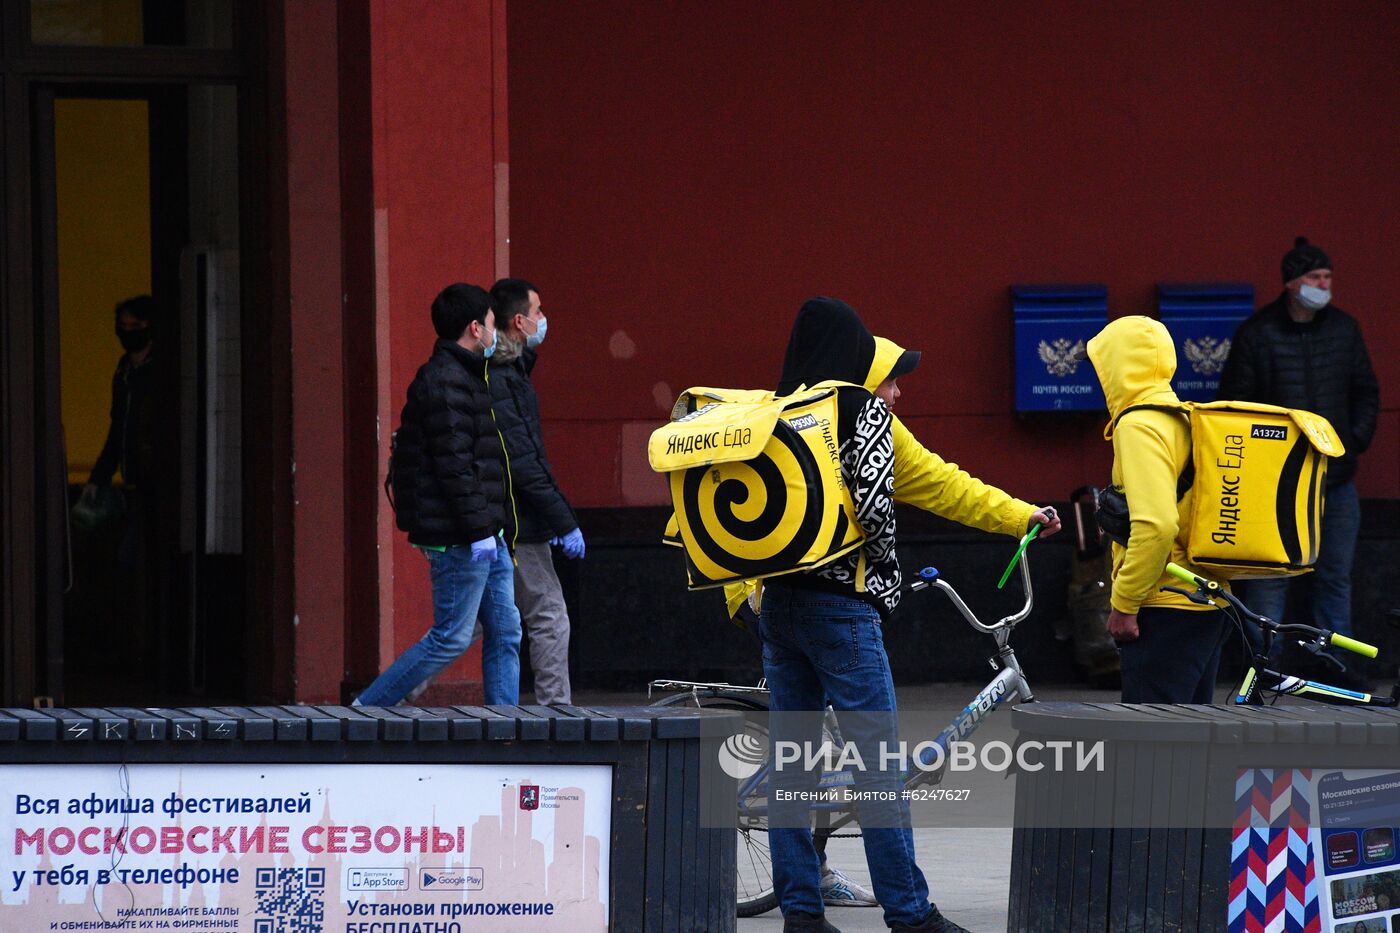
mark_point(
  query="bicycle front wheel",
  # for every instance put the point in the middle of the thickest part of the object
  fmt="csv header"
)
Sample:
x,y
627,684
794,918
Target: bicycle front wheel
x,y
753,862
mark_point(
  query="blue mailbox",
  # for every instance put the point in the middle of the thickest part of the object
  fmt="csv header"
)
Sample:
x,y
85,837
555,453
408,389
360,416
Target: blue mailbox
x,y
1202,318
1053,324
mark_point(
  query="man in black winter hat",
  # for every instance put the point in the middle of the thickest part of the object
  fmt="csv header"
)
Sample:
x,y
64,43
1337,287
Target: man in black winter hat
x,y
1302,351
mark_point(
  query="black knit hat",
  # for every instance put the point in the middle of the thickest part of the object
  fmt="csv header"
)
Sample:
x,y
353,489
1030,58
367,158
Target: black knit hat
x,y
1302,259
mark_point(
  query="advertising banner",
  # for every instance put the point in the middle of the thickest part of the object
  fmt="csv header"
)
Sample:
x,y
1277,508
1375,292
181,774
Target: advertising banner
x,y
305,848
1315,851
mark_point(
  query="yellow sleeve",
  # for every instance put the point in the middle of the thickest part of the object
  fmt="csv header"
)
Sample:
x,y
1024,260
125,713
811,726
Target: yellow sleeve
x,y
1146,466
744,591
924,479
672,534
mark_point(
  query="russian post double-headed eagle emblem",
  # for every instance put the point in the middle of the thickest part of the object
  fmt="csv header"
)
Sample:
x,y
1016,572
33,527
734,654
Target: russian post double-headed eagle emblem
x,y
1207,355
1062,358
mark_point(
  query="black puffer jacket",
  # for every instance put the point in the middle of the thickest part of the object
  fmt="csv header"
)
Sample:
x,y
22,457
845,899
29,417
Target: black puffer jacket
x,y
541,509
1321,366
449,472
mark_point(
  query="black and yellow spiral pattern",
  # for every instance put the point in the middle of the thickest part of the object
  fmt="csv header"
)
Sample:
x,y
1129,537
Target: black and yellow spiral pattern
x,y
774,513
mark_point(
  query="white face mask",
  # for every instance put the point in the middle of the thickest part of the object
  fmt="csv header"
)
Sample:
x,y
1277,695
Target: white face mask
x,y
537,338
1314,299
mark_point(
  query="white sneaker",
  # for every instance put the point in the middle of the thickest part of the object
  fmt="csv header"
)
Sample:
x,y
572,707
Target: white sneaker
x,y
840,891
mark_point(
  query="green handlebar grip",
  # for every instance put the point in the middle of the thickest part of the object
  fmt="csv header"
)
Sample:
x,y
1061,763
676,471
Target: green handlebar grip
x,y
1181,573
1006,574
1354,646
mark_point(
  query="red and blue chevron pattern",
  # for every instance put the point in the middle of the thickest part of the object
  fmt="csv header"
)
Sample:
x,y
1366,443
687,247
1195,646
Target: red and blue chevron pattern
x,y
1272,888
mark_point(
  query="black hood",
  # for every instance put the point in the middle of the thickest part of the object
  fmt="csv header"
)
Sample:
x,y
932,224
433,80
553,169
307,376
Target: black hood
x,y
828,342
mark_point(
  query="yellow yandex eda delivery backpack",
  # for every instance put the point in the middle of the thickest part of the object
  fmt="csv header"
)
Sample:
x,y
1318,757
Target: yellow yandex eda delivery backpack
x,y
755,482
1258,474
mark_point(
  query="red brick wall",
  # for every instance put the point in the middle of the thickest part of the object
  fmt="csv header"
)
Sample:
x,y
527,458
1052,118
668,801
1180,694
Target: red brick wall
x,y
438,109
684,175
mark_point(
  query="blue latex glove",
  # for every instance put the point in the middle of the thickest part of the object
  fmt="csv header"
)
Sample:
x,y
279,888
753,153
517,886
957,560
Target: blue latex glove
x,y
485,549
572,543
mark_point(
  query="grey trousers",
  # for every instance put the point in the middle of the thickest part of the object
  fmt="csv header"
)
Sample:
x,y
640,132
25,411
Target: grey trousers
x,y
546,621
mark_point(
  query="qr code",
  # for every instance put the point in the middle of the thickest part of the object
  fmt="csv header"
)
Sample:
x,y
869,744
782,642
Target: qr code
x,y
290,900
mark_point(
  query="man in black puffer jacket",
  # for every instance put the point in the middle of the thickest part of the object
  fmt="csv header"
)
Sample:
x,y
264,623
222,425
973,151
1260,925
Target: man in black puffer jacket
x,y
1302,351
544,514
452,495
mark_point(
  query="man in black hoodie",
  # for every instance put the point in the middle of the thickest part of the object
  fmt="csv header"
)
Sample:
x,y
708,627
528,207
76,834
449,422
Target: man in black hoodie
x,y
543,513
822,636
452,495
1302,351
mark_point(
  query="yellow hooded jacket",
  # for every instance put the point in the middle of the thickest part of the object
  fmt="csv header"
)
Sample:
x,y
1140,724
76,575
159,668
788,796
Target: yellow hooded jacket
x,y
926,480
1135,359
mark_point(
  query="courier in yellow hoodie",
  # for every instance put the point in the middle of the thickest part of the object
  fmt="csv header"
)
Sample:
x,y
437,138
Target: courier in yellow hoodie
x,y
1170,646
821,627
921,477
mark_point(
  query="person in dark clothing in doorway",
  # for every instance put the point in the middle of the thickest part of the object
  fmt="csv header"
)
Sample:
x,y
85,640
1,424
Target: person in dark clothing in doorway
x,y
452,496
141,447
543,513
131,441
1302,351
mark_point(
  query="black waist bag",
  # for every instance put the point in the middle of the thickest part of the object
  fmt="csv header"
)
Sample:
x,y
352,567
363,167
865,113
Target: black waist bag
x,y
1111,504
1111,508
1111,512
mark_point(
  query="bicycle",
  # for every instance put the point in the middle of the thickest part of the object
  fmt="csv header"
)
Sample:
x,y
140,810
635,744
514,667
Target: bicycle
x,y
1260,679
754,862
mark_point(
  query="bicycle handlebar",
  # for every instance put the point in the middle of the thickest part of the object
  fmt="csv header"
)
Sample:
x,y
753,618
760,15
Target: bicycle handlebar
x,y
929,577
1212,589
1025,540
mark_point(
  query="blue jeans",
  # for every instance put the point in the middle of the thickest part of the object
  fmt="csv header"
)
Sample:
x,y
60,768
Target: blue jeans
x,y
823,646
1331,576
463,593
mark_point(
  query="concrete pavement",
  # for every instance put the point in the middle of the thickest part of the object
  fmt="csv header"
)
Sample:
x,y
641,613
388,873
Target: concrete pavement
x,y
968,869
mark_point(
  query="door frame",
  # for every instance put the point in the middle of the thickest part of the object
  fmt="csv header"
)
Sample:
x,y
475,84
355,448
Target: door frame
x,y
29,667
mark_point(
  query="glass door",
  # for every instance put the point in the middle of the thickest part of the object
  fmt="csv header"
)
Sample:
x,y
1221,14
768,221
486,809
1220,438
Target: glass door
x,y
131,130
136,188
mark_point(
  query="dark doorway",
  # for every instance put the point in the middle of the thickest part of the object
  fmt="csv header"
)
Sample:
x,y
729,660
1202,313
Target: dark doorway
x,y
128,149
137,194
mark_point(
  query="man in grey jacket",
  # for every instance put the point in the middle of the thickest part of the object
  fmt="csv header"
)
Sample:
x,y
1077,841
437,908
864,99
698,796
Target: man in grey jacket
x,y
544,515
